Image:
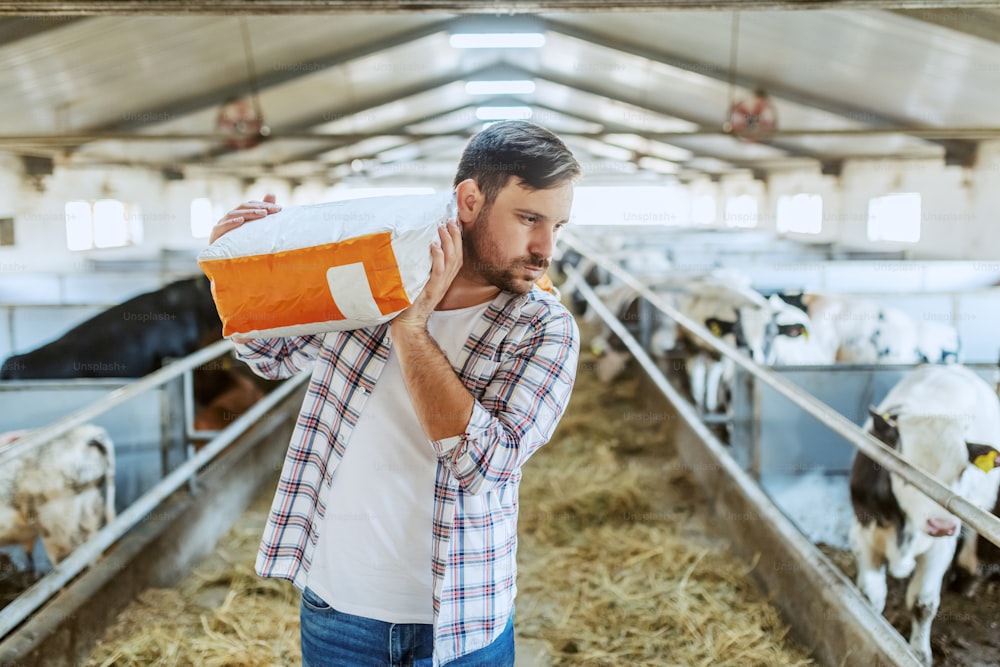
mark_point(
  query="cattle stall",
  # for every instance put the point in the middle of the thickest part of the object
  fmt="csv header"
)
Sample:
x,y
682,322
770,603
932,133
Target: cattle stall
x,y
805,468
789,587
175,502
148,431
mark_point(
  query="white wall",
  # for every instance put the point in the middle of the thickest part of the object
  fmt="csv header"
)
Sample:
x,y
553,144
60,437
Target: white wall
x,y
982,235
811,182
944,199
960,206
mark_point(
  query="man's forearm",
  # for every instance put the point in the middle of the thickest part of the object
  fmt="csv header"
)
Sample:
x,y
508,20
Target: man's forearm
x,y
442,403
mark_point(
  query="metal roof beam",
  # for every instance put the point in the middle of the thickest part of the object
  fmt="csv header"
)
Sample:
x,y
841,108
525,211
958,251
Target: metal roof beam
x,y
336,114
398,129
274,77
956,151
791,150
974,22
14,29
614,128
264,7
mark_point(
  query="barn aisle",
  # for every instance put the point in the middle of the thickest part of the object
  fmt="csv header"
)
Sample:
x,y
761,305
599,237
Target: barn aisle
x,y
618,560
618,565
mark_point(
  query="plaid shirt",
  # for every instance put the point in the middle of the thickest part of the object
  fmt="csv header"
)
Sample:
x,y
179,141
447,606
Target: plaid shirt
x,y
519,364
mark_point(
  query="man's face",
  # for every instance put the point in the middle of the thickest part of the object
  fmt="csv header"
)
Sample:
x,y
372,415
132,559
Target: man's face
x,y
510,244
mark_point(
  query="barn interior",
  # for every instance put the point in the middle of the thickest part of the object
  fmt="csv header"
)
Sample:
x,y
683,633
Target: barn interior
x,y
824,147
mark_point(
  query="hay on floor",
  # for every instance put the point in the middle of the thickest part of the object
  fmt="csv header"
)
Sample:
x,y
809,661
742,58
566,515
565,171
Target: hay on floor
x,y
607,572
221,615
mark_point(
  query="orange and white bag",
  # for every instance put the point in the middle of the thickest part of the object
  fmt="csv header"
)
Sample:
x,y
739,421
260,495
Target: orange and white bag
x,y
325,267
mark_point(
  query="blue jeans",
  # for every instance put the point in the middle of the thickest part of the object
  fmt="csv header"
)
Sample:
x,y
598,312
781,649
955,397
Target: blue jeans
x,y
331,638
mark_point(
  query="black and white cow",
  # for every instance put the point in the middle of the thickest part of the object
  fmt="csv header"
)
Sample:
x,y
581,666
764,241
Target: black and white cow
x,y
941,419
641,263
862,331
768,330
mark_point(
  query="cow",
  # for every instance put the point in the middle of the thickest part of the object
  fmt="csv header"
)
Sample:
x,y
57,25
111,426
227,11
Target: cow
x,y
233,393
862,331
140,335
944,420
938,343
768,330
591,273
62,491
642,263
131,339
627,306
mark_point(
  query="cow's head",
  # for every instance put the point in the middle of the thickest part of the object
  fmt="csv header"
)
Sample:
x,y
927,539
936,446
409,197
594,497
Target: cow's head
x,y
787,337
721,328
936,445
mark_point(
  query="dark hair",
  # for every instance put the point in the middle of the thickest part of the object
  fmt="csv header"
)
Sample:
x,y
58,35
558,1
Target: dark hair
x,y
516,148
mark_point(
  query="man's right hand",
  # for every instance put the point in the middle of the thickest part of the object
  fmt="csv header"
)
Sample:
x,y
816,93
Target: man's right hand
x,y
251,210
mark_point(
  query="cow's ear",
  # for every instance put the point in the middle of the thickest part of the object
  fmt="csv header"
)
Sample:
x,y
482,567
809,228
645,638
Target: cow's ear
x,y
984,457
884,426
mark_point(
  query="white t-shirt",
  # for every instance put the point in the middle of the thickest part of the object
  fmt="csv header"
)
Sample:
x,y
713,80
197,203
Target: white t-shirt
x,y
373,558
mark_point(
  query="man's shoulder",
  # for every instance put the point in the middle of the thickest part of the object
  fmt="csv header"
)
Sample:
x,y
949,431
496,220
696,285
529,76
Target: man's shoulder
x,y
543,307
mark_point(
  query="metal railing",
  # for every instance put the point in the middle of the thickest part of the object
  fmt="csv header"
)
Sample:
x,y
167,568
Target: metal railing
x,y
113,399
82,557
985,523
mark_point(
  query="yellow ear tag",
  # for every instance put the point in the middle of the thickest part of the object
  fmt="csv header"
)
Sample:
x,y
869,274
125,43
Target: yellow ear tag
x,y
716,329
887,417
986,462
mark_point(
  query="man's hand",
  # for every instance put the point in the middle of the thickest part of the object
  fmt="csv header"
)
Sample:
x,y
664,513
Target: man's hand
x,y
245,212
446,260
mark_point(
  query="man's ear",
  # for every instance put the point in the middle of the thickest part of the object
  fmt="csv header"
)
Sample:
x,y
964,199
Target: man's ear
x,y
470,200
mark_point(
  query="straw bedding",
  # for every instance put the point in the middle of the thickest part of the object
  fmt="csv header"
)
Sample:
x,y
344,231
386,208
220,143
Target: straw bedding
x,y
221,615
618,566
617,562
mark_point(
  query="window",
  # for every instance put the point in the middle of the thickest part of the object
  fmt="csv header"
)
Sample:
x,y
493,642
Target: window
x,y
741,211
895,217
105,223
802,213
204,215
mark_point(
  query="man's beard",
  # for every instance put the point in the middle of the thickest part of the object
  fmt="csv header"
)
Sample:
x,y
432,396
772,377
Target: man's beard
x,y
483,254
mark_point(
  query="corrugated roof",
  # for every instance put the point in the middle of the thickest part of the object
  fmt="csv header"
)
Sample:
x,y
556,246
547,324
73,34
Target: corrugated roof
x,y
628,84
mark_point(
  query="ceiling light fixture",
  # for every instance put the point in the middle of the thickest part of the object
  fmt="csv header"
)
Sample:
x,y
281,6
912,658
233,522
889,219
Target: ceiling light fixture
x,y
497,40
520,87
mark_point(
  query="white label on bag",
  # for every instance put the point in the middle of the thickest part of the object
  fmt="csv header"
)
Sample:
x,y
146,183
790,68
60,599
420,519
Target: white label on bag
x,y
351,292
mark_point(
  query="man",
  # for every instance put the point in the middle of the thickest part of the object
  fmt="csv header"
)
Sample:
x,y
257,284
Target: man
x,y
396,511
